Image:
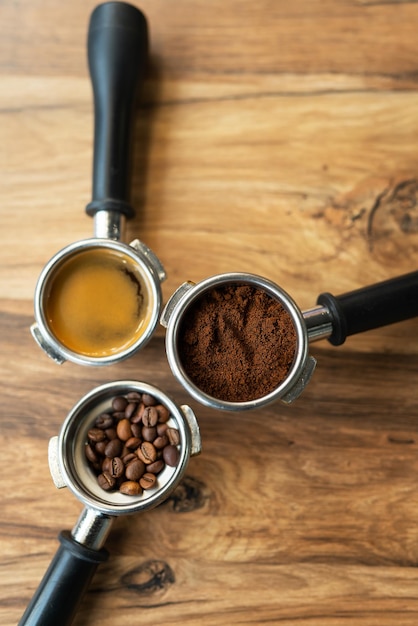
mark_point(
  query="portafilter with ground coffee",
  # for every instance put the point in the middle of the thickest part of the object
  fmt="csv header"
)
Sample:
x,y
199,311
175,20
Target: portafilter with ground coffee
x,y
238,341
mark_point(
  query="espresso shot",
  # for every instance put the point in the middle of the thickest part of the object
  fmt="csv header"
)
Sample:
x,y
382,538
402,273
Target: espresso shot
x,y
96,303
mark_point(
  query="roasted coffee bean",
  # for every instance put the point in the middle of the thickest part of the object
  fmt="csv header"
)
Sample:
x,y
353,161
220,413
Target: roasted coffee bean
x,y
129,457
117,467
160,442
147,452
156,467
137,416
148,400
104,421
133,443
162,428
125,450
106,481
95,435
171,455
136,429
150,416
163,413
113,448
100,447
148,480
91,454
123,430
173,436
130,488
135,469
111,433
119,415
130,409
148,433
133,396
119,403
106,465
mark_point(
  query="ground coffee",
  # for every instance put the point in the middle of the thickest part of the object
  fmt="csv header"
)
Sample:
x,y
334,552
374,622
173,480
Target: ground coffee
x,y
237,343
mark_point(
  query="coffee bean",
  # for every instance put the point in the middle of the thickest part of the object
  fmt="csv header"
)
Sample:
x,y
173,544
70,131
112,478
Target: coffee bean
x,y
95,435
137,415
107,465
106,481
148,433
162,428
104,421
135,469
163,413
146,452
148,480
173,436
130,410
148,400
160,442
133,443
130,488
113,448
117,467
91,454
136,429
171,455
119,403
129,457
100,447
111,433
150,416
133,396
156,467
123,430
119,415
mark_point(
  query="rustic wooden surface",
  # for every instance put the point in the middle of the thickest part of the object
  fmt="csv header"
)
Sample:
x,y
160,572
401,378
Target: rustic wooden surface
x,y
276,137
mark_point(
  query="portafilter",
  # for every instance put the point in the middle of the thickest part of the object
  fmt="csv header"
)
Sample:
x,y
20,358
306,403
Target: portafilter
x,y
334,318
81,550
97,301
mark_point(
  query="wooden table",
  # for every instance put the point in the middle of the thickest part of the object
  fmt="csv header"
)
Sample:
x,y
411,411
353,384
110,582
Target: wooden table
x,y
275,137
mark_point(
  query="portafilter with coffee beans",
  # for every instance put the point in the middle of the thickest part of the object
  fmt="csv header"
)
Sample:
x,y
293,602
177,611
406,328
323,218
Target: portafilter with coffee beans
x,y
114,469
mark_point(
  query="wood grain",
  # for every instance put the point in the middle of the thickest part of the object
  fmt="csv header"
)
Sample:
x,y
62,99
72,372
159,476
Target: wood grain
x,y
272,137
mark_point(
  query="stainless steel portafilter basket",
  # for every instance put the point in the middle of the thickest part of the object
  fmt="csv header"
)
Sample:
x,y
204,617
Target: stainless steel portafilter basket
x,y
333,318
117,54
176,312
81,550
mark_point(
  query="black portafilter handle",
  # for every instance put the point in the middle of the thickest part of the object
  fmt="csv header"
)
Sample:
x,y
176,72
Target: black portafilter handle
x,y
63,586
383,303
117,46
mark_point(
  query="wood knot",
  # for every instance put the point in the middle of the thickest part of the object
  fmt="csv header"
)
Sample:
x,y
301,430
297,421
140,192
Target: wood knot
x,y
392,228
190,494
150,578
